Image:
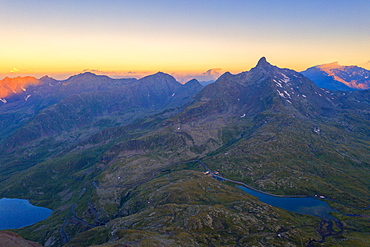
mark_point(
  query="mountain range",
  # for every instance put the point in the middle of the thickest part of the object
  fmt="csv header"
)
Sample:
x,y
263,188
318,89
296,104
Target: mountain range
x,y
330,76
121,161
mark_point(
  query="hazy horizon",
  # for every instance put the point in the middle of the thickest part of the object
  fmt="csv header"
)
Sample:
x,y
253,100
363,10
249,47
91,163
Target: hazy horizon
x,y
66,38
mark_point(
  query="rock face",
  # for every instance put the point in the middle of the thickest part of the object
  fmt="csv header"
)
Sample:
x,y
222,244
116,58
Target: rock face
x,y
336,77
11,239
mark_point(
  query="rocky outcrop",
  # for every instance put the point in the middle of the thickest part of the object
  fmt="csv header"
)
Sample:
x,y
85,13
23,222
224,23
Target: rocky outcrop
x,y
11,239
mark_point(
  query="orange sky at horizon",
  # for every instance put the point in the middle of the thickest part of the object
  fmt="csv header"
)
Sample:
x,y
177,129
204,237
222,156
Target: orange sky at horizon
x,y
12,72
65,38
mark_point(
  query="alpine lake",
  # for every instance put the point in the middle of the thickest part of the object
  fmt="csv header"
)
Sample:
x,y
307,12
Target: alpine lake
x,y
301,205
18,213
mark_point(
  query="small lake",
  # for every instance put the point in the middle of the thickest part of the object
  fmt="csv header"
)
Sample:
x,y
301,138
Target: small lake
x,y
18,213
301,205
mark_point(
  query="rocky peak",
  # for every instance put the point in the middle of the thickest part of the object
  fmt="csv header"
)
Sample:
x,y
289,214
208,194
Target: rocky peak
x,y
159,78
48,80
262,63
193,82
82,76
227,76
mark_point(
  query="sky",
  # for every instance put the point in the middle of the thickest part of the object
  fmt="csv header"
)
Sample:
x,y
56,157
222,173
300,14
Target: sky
x,y
118,37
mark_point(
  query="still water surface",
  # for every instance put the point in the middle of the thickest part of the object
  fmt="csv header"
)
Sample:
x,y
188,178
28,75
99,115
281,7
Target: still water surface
x,y
17,213
301,205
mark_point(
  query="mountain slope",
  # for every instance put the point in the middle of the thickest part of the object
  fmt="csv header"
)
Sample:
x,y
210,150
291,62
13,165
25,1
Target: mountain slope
x,y
19,108
75,109
283,122
10,239
11,86
272,128
141,182
336,77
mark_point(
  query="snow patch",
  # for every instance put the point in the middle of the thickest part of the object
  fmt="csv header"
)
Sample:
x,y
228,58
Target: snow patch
x,y
24,90
289,101
242,115
287,93
27,97
281,94
3,100
286,78
304,96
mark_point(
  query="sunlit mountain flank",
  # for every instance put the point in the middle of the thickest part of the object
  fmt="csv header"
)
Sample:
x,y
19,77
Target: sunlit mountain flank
x,y
336,77
10,86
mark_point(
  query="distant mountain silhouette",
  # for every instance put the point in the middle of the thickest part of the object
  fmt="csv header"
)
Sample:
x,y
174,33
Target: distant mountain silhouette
x,y
336,77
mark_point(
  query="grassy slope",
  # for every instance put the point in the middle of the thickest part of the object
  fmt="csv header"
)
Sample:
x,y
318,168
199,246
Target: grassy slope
x,y
184,207
286,156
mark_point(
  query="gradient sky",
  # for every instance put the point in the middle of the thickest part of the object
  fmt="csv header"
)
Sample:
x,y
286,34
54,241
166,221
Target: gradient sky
x,y
61,38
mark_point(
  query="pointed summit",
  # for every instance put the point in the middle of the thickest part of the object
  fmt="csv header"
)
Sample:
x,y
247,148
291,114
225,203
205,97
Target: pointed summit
x,y
263,63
